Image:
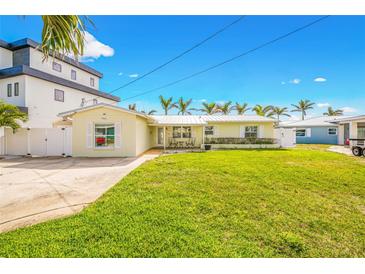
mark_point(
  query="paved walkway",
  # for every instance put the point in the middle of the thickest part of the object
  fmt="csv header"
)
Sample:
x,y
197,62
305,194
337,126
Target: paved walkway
x,y
33,190
341,149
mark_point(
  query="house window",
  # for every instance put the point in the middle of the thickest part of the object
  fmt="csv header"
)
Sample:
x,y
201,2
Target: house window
x,y
16,89
332,131
73,74
251,132
83,101
176,132
300,133
59,95
186,132
9,90
209,130
92,82
104,135
95,101
57,66
181,132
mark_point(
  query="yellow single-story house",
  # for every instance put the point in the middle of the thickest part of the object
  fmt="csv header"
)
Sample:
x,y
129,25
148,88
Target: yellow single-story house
x,y
104,130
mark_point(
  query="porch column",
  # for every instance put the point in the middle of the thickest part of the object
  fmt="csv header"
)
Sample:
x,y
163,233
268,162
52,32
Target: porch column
x,y
164,138
29,151
203,135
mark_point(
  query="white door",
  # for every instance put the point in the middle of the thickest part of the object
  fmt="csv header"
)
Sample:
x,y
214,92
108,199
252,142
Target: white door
x,y
55,145
160,136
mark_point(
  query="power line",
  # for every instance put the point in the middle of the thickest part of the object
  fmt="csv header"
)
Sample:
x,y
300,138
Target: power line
x,y
231,59
181,54
176,57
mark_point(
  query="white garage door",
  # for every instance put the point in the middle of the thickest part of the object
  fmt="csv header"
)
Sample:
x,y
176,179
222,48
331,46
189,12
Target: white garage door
x,y
40,142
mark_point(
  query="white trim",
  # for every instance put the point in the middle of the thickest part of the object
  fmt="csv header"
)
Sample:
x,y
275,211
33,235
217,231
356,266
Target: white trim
x,y
118,134
89,135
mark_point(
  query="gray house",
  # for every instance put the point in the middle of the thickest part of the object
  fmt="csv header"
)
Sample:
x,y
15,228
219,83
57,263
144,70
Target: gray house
x,y
318,130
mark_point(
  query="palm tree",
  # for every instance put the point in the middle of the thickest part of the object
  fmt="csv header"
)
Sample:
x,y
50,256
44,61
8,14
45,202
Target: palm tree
x,y
132,107
333,112
225,108
10,116
303,106
167,104
262,110
63,35
183,106
151,112
241,109
209,108
279,111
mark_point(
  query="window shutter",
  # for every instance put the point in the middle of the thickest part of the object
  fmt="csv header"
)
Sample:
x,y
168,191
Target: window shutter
x,y
89,135
261,131
308,132
242,131
117,132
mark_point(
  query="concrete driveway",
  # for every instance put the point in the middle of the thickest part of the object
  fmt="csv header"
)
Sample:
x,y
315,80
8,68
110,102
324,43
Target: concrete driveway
x,y
33,190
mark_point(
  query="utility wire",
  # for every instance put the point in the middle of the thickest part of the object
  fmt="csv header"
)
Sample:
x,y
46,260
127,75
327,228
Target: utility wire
x,y
231,59
181,54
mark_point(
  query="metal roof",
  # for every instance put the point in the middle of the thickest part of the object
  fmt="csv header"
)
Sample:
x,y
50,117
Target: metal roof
x,y
177,120
81,109
322,121
236,118
205,119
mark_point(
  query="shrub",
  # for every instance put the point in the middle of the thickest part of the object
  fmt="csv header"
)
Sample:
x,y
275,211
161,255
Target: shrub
x,y
235,141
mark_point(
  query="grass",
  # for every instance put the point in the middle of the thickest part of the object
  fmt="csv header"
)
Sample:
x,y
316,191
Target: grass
x,y
252,203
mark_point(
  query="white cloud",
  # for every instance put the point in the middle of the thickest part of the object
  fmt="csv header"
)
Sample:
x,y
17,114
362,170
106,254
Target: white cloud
x,y
348,109
200,100
120,73
320,79
323,105
94,49
295,81
135,75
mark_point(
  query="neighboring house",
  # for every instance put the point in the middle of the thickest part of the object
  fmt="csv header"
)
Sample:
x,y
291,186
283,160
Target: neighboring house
x,y
351,128
43,90
318,130
105,130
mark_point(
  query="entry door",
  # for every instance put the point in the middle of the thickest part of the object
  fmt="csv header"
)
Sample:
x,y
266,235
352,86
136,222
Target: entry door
x,y
160,136
346,133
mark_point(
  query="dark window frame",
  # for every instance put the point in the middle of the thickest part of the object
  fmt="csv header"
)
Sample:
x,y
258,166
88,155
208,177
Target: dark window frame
x,y
55,95
73,72
55,66
9,90
16,89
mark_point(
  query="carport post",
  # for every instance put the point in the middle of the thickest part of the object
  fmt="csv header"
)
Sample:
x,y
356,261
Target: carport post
x,y
28,142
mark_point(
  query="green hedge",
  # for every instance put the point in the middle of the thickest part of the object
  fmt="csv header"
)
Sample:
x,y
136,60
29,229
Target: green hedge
x,y
235,141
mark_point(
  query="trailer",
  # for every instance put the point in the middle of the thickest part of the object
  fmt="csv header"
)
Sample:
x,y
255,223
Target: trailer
x,y
357,146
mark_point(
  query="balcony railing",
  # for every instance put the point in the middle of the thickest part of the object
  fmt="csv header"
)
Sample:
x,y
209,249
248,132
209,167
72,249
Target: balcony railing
x,y
239,141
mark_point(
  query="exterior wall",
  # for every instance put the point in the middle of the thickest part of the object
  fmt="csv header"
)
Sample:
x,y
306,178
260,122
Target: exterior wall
x,y
234,129
143,135
6,58
82,77
43,108
319,135
340,132
14,100
129,132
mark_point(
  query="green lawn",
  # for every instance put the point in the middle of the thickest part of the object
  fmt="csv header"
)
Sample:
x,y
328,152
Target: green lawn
x,y
253,203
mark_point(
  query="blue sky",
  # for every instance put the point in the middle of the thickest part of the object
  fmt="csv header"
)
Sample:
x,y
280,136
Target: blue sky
x,y
280,74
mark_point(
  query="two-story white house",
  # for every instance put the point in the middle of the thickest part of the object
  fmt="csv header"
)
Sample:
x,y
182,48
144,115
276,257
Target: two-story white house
x,y
43,89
